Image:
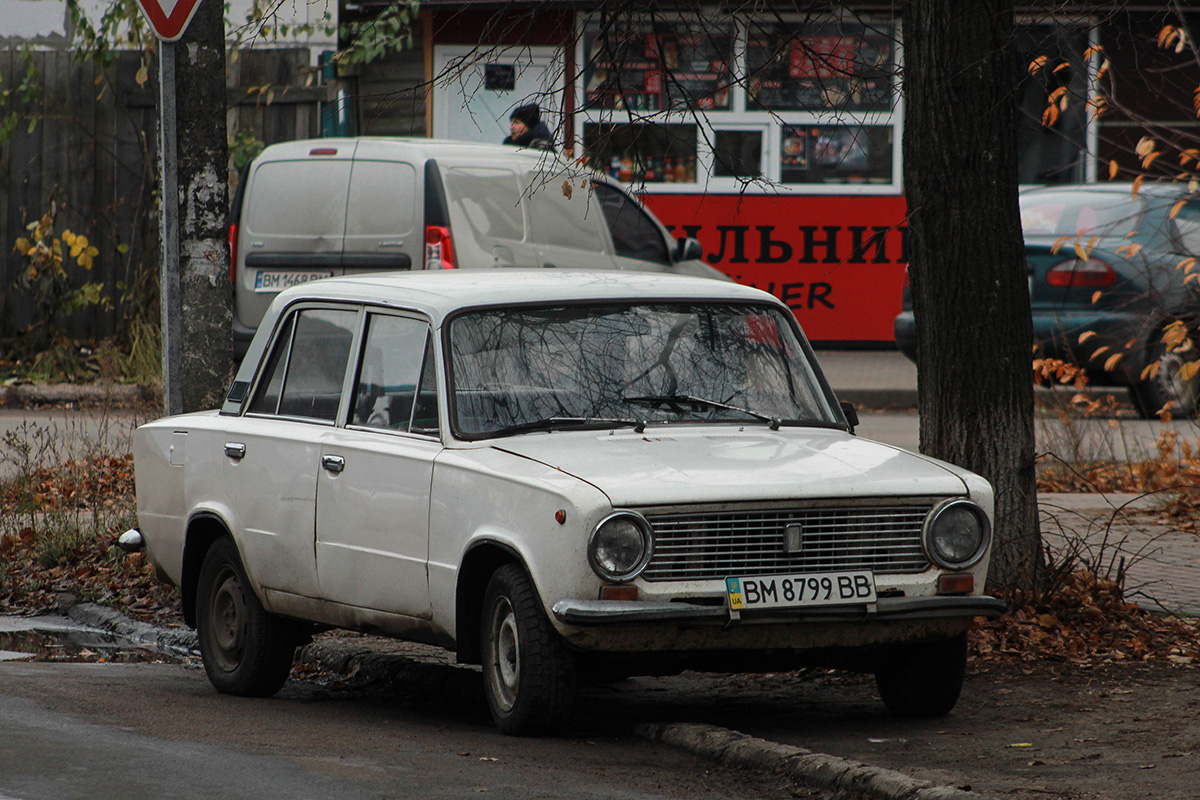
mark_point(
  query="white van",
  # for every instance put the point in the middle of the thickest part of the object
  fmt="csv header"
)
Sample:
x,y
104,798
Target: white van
x,y
323,207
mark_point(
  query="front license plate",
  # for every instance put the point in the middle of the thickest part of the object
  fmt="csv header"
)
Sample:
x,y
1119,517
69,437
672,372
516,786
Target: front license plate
x,y
271,281
797,591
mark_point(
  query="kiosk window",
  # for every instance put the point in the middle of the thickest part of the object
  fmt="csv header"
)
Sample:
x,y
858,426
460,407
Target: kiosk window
x,y
819,66
738,154
835,153
642,153
659,65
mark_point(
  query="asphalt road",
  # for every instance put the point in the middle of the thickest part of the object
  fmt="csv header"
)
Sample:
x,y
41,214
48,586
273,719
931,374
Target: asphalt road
x,y
139,731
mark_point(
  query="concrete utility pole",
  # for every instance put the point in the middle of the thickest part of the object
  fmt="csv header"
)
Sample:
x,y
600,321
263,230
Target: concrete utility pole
x,y
197,299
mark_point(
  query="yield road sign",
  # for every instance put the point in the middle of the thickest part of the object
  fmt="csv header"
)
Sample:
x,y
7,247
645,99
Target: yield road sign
x,y
168,18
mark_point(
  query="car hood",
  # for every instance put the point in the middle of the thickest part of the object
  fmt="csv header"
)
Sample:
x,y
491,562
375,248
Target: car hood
x,y
664,467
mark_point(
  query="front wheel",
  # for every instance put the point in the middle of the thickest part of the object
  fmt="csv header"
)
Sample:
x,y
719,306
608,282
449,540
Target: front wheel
x,y
528,674
922,679
246,651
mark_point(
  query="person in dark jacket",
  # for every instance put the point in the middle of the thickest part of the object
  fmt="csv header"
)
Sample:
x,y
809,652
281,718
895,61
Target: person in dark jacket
x,y
528,130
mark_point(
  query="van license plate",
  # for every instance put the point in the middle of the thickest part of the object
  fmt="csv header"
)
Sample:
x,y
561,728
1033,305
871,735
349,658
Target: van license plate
x,y
798,591
272,281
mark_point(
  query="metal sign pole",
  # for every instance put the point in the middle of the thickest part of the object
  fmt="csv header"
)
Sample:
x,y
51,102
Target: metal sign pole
x,y
168,162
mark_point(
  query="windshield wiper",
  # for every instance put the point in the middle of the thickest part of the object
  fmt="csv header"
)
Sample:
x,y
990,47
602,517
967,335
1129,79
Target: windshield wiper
x,y
554,423
676,401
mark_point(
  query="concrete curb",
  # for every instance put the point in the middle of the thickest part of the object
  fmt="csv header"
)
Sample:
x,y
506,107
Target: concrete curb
x,y
178,641
89,394
849,778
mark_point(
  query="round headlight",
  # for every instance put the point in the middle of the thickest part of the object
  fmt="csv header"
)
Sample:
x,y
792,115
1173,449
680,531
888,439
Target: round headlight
x,y
620,546
957,533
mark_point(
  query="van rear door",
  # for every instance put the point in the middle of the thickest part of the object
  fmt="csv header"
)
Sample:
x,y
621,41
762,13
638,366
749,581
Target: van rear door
x,y
381,216
293,222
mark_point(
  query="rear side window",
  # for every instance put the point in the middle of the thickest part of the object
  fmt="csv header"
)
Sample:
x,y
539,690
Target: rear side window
x,y
307,368
563,213
298,198
1187,227
634,234
490,201
1069,213
382,199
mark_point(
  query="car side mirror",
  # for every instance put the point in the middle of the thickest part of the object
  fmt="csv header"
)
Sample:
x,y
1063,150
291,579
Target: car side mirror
x,y
688,249
851,414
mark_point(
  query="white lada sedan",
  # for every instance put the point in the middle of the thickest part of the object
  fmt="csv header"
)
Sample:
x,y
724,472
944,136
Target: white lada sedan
x,y
555,474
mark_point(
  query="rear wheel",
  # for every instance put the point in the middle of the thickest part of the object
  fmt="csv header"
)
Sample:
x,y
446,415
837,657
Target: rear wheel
x,y
922,679
246,651
1174,385
528,674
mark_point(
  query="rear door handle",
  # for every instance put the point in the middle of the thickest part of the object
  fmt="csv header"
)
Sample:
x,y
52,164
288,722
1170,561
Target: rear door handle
x,y
334,464
235,450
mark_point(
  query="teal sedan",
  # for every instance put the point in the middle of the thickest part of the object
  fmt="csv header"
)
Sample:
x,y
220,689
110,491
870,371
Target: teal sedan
x,y
1114,287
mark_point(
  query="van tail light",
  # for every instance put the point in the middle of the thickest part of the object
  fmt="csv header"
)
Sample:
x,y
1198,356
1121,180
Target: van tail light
x,y
233,245
1077,273
439,248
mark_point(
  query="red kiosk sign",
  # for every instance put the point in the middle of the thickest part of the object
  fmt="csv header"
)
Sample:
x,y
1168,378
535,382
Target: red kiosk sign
x,y
168,18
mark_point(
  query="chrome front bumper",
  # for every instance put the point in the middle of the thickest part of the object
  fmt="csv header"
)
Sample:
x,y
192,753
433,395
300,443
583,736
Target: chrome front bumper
x,y
616,612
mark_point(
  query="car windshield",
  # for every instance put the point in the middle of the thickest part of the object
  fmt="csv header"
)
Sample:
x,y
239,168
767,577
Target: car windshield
x,y
1071,213
531,368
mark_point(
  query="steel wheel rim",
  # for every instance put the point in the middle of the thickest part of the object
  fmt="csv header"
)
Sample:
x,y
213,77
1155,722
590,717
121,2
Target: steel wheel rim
x,y
504,655
227,621
1181,393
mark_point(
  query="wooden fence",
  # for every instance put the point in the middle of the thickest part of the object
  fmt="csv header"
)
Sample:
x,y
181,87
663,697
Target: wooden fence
x,y
85,143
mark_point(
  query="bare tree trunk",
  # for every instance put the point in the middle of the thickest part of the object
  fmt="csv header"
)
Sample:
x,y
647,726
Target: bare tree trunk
x,y
967,262
206,296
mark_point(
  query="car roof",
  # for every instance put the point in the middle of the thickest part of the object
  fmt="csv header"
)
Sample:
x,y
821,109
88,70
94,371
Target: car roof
x,y
440,293
402,148
1122,189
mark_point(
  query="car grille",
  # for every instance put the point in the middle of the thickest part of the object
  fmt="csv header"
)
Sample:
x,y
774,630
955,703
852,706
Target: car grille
x,y
705,545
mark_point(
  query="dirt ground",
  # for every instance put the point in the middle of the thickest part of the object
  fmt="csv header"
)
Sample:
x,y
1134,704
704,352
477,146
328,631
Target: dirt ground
x,y
1047,730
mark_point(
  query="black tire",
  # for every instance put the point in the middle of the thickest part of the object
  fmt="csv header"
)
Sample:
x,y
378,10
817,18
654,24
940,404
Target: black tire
x,y
1165,389
246,651
924,679
528,673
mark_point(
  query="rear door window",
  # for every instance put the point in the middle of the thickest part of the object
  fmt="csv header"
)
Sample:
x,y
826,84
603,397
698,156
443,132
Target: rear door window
x,y
307,368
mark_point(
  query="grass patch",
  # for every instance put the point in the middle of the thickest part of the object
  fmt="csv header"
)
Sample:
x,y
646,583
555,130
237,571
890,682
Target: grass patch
x,y
66,494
